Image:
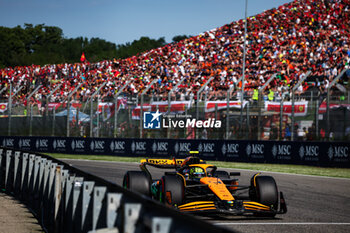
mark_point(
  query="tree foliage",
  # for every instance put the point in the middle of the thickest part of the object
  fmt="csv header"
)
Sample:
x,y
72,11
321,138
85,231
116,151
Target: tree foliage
x,y
138,46
41,44
180,37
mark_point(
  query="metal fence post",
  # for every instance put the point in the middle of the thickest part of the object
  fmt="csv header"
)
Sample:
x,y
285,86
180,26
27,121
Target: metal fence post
x,y
228,97
68,115
87,193
131,216
316,118
35,179
91,107
10,111
49,202
260,102
31,120
57,196
68,209
45,184
141,109
293,101
53,121
30,181
68,106
16,168
1,155
76,215
113,204
91,119
98,116
24,173
335,80
98,207
44,200
169,101
248,121
8,164
197,102
48,98
52,177
39,192
116,109
281,119
161,225
60,217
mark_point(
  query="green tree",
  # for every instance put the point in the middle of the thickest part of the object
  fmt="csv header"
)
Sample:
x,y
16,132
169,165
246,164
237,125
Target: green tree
x,y
139,46
180,37
41,44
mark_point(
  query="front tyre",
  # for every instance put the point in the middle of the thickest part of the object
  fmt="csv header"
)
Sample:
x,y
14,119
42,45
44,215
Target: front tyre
x,y
263,189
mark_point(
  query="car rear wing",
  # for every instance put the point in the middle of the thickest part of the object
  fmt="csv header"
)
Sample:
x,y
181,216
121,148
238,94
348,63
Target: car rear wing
x,y
162,163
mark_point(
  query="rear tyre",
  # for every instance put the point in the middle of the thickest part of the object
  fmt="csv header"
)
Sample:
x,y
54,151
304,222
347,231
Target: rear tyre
x,y
265,192
172,191
137,181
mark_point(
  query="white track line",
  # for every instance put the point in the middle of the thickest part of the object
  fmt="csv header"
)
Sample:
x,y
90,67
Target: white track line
x,y
282,223
235,169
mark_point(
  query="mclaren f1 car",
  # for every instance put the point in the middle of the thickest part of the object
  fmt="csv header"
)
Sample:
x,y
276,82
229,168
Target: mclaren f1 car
x,y
196,187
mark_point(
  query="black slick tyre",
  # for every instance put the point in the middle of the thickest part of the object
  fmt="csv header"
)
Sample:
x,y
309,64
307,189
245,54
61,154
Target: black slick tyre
x,y
265,192
137,181
172,191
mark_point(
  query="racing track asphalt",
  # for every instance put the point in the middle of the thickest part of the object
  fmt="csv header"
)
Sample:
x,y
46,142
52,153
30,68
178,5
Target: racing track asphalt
x,y
315,204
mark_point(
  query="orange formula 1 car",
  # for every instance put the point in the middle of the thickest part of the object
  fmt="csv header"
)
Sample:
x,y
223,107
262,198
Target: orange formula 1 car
x,y
197,187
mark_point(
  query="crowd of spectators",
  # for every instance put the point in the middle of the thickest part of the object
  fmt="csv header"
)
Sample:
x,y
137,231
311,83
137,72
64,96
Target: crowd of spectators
x,y
289,40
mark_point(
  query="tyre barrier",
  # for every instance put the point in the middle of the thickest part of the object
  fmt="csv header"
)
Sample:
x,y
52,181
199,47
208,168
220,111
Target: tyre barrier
x,y
66,199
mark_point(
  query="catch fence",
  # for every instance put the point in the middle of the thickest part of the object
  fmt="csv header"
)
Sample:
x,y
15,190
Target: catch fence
x,y
261,114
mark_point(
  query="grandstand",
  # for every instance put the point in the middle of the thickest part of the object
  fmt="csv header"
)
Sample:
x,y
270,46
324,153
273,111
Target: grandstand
x,y
288,41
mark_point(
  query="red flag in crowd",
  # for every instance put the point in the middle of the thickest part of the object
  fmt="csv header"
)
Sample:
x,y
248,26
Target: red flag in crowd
x,y
3,107
82,58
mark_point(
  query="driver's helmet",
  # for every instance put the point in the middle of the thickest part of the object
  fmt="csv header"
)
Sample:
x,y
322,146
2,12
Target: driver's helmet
x,y
196,172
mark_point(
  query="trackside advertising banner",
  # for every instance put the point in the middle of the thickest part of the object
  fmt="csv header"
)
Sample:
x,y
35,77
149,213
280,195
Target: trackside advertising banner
x,y
326,154
162,107
211,105
300,108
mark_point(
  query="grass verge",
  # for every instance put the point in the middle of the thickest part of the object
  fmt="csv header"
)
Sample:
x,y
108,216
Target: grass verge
x,y
285,168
